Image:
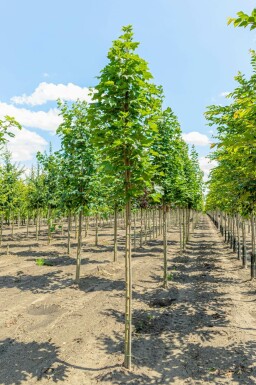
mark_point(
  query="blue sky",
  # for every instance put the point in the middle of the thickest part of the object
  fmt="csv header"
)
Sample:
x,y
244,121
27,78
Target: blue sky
x,y
190,49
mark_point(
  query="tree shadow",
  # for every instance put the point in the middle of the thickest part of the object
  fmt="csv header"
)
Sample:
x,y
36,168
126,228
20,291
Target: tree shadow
x,y
31,361
98,283
177,336
43,283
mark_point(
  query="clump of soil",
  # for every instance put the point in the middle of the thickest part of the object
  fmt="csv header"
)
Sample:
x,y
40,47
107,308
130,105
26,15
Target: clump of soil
x,y
162,302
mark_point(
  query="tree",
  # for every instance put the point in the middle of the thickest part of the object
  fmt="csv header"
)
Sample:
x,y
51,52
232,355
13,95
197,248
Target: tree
x,y
10,188
51,171
78,163
235,153
165,151
124,124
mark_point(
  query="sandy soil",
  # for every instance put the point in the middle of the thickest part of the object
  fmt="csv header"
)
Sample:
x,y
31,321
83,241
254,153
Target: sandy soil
x,y
199,331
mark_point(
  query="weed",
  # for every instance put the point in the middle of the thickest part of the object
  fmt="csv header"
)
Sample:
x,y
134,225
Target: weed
x,y
43,262
40,261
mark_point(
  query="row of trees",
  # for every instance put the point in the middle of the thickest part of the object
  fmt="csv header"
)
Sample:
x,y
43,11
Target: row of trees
x,y
232,187
122,150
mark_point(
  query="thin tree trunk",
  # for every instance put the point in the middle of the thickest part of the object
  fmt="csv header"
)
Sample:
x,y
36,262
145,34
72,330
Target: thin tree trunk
x,y
49,225
159,221
79,246
146,225
180,228
244,248
141,226
27,224
76,232
69,231
253,256
115,234
134,230
1,230
149,224
96,231
153,228
128,296
37,224
165,284
12,225
238,247
183,229
188,224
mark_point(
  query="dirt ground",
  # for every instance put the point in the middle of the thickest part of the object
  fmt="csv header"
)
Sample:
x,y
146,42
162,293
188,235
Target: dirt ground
x,y
202,330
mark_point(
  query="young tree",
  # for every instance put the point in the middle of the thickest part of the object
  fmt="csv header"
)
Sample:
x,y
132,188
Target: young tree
x,y
235,152
165,151
122,117
51,169
10,188
78,163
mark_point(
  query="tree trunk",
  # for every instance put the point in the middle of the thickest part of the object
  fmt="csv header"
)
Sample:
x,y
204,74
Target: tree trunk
x,y
12,225
96,230
149,224
180,228
183,229
165,284
141,226
37,224
153,227
253,256
134,230
1,230
79,246
115,234
188,225
128,296
159,221
244,248
76,232
27,224
238,248
69,231
49,225
146,225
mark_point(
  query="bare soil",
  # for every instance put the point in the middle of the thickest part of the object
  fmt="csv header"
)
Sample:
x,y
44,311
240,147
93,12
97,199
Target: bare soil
x,y
202,330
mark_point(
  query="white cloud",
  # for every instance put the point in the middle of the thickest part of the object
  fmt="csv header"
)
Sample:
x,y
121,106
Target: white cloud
x,y
224,94
48,121
196,138
206,165
25,144
46,92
